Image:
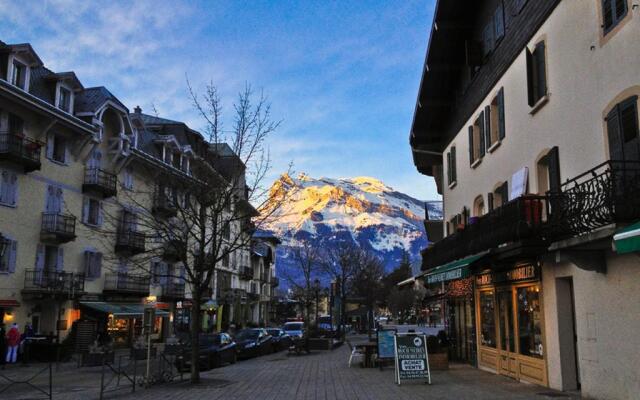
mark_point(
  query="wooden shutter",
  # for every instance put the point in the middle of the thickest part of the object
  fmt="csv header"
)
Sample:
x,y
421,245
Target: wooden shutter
x,y
88,258
4,187
487,127
504,192
97,265
613,134
553,162
454,172
487,38
473,54
490,201
449,180
85,209
501,125
481,134
100,213
39,265
540,70
498,22
530,79
471,152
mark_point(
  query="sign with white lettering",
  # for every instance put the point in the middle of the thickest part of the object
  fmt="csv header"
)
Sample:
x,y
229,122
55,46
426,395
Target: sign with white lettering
x,y
412,358
386,348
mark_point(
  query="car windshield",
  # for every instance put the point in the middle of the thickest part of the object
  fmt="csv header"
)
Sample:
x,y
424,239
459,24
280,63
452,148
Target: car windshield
x,y
293,326
273,332
247,335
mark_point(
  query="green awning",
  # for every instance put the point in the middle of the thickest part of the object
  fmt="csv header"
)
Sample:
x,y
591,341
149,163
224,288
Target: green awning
x,y
121,309
627,240
454,270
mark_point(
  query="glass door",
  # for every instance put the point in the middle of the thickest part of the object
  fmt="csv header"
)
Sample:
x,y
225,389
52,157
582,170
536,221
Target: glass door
x,y
507,359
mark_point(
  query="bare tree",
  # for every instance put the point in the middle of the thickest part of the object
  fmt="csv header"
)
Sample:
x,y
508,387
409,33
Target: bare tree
x,y
305,269
197,221
367,284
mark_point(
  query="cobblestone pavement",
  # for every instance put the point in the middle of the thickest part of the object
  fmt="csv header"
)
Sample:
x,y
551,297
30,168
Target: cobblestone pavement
x,y
317,376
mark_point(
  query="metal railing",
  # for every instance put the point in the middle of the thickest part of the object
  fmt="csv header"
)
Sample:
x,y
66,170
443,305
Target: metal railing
x,y
130,241
246,273
519,219
20,147
100,180
164,203
56,282
126,283
58,224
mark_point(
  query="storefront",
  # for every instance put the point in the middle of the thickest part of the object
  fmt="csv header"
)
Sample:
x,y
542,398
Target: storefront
x,y
511,322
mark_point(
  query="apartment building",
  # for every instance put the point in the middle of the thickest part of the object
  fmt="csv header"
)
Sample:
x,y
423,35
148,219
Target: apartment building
x,y
81,177
263,274
527,118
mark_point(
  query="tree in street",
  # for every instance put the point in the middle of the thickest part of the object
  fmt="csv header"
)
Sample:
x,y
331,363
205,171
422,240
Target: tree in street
x,y
367,284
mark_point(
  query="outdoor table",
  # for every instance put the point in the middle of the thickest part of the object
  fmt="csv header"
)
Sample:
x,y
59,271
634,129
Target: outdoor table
x,y
370,348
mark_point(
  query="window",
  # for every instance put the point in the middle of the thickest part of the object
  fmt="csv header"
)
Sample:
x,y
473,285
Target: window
x,y
177,160
488,39
64,99
57,148
8,259
92,212
226,231
487,319
529,321
478,207
8,188
494,121
451,166
19,75
499,196
16,125
92,264
129,221
536,74
127,181
477,140
498,22
613,11
549,172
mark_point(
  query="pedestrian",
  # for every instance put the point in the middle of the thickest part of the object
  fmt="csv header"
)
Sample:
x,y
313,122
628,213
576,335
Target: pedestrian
x,y
13,341
3,344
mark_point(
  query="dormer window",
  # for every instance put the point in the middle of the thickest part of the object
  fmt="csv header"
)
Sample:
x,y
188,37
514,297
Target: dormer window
x,y
176,160
19,75
64,99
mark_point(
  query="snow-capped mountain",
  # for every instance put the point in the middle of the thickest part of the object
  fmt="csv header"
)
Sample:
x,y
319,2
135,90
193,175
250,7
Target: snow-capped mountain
x,y
362,210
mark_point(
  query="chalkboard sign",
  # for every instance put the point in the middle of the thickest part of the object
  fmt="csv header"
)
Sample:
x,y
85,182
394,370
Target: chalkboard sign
x,y
386,347
412,359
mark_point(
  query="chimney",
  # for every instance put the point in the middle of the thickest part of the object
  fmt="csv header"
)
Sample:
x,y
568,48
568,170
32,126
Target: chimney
x,y
137,110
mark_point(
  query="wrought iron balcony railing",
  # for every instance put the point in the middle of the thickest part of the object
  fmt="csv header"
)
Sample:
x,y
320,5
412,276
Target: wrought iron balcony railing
x,y
164,204
173,290
20,150
517,220
56,283
607,194
100,181
130,242
125,283
59,228
246,273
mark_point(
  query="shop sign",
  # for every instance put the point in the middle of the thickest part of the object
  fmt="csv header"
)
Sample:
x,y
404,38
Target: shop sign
x,y
521,273
386,349
445,276
412,359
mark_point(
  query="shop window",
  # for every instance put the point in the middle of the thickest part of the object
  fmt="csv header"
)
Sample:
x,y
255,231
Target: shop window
x,y
536,74
487,319
530,321
613,11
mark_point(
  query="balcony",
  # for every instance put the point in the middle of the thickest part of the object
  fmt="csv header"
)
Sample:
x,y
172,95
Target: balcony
x,y
57,228
164,205
520,220
126,284
173,291
275,281
130,242
56,284
100,182
20,150
174,250
246,273
607,194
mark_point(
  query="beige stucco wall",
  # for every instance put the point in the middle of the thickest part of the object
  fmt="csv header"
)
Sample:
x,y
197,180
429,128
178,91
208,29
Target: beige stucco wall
x,y
607,326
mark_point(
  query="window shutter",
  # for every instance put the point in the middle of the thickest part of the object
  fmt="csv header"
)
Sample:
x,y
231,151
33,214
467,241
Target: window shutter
x,y
449,180
50,144
454,172
487,39
530,78
490,201
505,192
85,209
39,266
97,265
481,134
13,254
498,22
540,71
621,9
471,152
101,213
613,134
487,127
60,261
88,255
628,114
4,186
553,161
59,200
501,125
13,192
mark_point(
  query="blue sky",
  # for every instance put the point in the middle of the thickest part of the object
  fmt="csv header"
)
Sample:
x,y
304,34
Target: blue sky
x,y
343,76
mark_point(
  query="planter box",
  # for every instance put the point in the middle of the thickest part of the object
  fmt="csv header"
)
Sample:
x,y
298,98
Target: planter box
x,y
439,361
95,359
141,354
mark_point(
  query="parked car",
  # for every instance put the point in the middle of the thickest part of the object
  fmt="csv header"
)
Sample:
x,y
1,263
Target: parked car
x,y
253,342
294,329
281,340
214,350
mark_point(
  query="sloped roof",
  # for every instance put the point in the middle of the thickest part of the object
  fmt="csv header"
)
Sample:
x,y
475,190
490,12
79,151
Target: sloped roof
x,y
91,99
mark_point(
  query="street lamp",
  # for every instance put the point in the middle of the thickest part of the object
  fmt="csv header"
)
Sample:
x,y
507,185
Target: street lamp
x,y
316,286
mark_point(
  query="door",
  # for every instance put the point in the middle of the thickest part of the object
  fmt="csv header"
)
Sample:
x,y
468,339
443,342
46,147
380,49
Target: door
x,y
507,359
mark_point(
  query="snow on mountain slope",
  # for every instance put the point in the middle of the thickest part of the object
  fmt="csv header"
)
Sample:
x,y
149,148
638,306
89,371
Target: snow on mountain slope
x,y
362,209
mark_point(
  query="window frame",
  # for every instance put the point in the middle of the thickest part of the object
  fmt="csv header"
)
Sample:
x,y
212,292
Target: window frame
x,y
615,18
69,95
19,66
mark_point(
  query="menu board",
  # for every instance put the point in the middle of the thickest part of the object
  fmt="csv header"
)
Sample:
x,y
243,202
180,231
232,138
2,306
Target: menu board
x,y
386,348
412,359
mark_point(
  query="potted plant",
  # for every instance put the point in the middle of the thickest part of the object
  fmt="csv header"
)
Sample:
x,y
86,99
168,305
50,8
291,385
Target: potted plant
x,y
438,352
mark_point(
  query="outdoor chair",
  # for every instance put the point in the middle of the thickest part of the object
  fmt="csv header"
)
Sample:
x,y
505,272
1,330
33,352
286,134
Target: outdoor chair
x,y
355,352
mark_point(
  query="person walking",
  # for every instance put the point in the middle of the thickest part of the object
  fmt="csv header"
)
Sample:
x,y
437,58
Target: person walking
x,y
13,341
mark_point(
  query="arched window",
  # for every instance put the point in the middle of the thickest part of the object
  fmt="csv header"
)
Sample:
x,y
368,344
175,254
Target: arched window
x,y
478,207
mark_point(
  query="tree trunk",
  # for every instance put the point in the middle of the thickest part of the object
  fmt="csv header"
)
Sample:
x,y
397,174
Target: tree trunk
x,y
195,335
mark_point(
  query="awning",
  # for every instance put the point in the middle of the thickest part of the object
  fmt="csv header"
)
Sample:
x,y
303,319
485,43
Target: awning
x,y
627,240
454,270
9,303
121,309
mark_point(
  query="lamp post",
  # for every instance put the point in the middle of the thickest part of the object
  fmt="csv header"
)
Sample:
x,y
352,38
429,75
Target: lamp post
x,y
316,287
